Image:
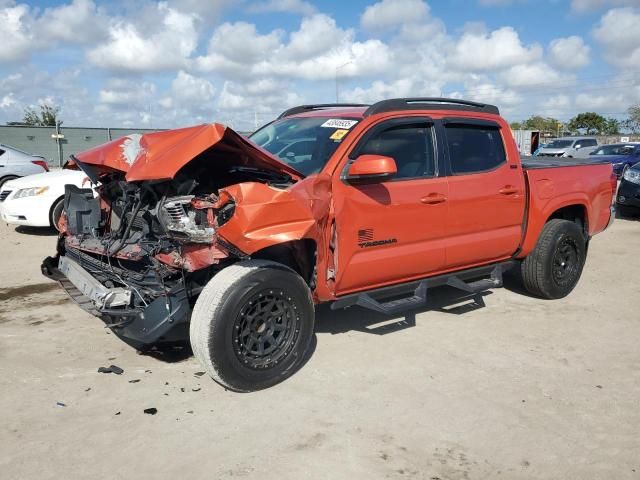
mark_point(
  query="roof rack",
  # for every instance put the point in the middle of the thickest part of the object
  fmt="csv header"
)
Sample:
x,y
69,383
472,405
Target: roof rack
x,y
429,103
319,106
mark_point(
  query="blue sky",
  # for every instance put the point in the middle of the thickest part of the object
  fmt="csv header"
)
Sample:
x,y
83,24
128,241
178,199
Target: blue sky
x,y
180,62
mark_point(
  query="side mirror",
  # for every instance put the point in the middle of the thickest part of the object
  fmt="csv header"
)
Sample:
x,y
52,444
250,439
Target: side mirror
x,y
371,169
578,147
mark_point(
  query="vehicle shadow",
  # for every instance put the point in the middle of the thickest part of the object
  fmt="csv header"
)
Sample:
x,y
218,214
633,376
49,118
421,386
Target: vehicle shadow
x,y
37,231
442,299
512,281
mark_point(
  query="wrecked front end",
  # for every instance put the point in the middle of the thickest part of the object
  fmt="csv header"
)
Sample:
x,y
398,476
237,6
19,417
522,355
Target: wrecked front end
x,y
138,254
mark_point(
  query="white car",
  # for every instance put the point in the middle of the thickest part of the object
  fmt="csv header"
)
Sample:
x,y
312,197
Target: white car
x,y
15,163
38,200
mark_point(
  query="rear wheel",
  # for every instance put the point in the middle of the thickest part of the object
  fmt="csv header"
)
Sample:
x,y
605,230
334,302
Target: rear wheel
x,y
4,180
554,267
56,212
252,325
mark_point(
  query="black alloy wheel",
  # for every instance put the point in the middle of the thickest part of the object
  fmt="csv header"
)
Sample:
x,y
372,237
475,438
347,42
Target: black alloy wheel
x,y
266,329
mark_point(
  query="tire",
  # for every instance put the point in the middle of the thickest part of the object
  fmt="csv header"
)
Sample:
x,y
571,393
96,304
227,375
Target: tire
x,y
4,180
231,331
554,267
56,211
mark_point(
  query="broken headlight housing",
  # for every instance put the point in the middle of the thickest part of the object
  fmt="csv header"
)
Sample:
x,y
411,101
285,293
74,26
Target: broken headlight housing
x,y
180,219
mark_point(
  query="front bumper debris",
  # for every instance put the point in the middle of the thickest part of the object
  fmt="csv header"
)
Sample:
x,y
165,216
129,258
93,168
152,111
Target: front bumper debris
x,y
164,319
101,296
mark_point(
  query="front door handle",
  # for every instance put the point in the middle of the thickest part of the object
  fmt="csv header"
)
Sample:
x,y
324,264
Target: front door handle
x,y
508,190
433,199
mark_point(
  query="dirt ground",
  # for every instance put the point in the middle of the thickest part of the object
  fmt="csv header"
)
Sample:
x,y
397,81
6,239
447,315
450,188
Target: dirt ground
x,y
500,386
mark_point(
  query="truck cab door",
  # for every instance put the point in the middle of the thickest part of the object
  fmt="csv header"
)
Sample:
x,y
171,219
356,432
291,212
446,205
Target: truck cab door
x,y
390,230
487,194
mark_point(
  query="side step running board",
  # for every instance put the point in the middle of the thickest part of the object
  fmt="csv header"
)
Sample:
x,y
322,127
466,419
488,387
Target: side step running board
x,y
414,294
482,285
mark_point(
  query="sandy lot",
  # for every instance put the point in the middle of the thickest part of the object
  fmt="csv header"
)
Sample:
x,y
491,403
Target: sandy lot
x,y
506,386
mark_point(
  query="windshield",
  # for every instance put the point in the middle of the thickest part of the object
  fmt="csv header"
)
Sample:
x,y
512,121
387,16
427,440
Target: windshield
x,y
614,150
305,144
560,144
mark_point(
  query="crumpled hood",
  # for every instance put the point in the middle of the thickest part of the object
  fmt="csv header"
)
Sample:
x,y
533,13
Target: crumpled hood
x,y
160,155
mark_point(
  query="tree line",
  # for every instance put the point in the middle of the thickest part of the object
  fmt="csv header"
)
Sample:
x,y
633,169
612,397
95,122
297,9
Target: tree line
x,y
587,123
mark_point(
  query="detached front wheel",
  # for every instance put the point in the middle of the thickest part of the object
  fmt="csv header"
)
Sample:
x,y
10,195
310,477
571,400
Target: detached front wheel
x,y
252,325
554,267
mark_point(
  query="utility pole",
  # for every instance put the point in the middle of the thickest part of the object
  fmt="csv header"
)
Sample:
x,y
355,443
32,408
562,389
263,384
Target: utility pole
x,y
336,77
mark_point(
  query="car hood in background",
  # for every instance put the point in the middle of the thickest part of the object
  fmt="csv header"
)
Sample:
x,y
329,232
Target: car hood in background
x,y
610,158
46,179
160,155
553,151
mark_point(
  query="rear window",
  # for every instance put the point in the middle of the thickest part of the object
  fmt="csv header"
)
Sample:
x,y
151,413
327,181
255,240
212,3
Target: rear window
x,y
474,149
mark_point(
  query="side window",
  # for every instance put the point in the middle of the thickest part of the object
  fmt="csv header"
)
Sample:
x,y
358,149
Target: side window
x,y
474,148
411,146
590,143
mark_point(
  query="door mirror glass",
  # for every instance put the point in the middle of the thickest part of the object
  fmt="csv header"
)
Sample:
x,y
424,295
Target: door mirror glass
x,y
371,169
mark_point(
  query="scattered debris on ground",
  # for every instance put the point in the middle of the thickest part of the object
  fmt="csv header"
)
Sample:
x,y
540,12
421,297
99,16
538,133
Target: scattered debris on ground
x,y
111,369
151,411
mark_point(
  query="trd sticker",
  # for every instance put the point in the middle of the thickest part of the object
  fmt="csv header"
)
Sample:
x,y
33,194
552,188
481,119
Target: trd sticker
x,y
339,123
365,239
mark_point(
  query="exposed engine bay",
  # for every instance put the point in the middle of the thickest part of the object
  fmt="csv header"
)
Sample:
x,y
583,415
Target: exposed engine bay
x,y
138,248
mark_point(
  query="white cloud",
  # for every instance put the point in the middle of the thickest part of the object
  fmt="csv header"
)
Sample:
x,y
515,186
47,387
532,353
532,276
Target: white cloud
x,y
619,34
537,74
555,106
312,52
189,91
17,38
284,6
127,93
78,22
392,13
167,47
501,48
569,53
589,5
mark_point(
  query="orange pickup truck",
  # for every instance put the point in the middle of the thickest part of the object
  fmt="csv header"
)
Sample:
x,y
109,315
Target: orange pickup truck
x,y
202,234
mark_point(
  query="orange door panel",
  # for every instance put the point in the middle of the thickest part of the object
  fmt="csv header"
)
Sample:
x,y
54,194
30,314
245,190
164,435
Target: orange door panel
x,y
389,232
487,195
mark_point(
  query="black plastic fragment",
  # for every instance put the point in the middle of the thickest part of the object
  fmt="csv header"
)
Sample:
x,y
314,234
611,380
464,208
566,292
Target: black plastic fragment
x,y
111,369
151,411
134,380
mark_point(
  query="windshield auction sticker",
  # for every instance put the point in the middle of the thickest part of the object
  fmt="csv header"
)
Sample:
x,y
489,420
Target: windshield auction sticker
x,y
338,134
339,123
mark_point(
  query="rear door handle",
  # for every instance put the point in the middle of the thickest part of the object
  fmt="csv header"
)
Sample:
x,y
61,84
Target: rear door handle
x,y
508,190
433,199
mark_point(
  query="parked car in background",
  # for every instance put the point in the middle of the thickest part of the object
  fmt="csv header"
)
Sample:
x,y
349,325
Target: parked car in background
x,y
629,190
620,155
37,200
15,163
578,147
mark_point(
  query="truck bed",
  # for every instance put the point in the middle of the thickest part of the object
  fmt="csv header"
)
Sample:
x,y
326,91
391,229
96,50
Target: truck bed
x,y
531,163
